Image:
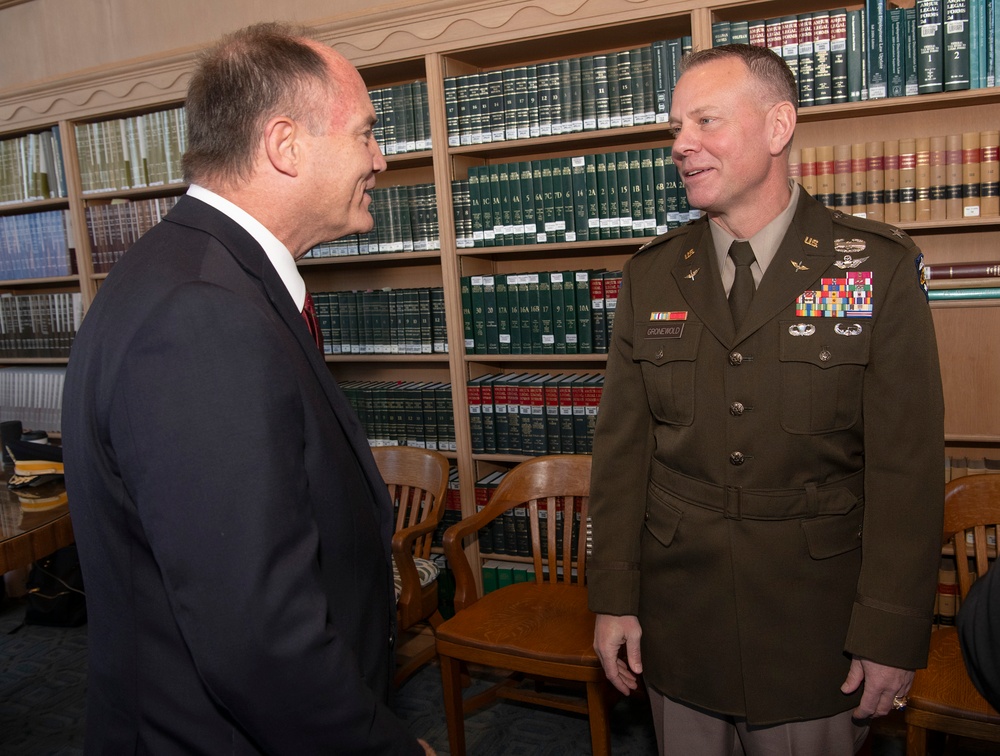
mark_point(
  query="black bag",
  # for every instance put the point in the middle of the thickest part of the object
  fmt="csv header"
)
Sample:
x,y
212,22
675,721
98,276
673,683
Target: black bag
x,y
55,590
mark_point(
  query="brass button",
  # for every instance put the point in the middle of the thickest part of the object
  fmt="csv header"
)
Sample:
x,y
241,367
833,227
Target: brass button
x,y
735,358
736,409
737,458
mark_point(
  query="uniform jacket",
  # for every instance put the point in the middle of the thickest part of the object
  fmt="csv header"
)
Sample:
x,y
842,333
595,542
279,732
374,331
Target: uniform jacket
x,y
232,525
769,501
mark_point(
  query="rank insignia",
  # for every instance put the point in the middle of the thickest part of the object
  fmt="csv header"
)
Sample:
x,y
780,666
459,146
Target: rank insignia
x,y
672,315
798,266
693,273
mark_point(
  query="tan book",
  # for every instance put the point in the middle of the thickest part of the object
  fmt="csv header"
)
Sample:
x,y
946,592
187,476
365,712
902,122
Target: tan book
x,y
842,177
989,182
953,177
809,170
825,191
859,179
875,181
939,177
970,174
795,164
890,180
907,180
922,179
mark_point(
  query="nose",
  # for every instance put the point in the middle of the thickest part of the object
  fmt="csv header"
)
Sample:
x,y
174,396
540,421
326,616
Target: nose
x,y
684,141
378,159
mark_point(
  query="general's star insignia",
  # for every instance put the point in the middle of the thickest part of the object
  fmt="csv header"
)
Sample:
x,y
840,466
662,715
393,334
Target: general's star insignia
x,y
798,265
693,273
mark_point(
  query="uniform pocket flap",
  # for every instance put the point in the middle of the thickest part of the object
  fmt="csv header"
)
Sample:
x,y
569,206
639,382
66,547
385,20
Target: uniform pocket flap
x,y
662,341
831,535
825,342
662,518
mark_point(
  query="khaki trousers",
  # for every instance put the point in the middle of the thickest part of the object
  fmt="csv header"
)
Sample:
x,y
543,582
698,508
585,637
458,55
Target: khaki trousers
x,y
683,730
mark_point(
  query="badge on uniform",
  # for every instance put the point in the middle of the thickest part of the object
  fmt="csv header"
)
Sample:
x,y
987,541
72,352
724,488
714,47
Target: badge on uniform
x,y
922,274
673,330
849,297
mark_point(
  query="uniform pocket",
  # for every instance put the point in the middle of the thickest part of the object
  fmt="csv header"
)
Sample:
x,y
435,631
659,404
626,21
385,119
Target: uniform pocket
x,y
666,352
833,535
662,518
823,363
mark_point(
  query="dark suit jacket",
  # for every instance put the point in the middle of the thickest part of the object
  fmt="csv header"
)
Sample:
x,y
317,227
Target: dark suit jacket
x,y
979,632
233,528
768,501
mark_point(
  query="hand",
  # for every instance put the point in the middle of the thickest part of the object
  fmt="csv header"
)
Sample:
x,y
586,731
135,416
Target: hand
x,y
610,634
882,684
428,751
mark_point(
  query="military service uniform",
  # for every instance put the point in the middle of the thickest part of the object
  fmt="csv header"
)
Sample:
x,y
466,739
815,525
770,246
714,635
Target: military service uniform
x,y
768,501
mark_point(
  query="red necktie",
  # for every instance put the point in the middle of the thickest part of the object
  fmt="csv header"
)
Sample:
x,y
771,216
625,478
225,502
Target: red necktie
x,y
312,322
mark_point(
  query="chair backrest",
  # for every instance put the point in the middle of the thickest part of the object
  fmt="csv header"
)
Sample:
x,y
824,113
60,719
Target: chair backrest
x,y
555,492
418,483
972,506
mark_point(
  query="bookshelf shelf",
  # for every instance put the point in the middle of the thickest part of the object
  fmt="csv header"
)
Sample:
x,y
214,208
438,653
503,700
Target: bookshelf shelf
x,y
388,358
580,141
17,208
387,258
34,283
139,192
500,359
34,360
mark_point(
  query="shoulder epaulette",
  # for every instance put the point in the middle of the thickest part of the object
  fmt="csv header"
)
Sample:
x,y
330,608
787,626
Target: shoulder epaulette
x,y
674,232
873,227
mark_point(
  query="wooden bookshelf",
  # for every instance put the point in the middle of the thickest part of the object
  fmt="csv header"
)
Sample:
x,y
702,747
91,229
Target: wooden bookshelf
x,y
402,42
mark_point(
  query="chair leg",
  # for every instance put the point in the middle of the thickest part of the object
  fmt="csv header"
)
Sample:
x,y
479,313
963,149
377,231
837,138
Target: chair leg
x,y
916,741
453,710
597,708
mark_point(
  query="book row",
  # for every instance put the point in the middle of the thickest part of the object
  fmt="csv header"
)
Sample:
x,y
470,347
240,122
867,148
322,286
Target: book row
x,y
36,245
510,534
132,152
382,321
406,220
912,179
397,413
114,226
568,312
878,50
534,413
39,325
32,395
403,118
622,194
588,93
31,167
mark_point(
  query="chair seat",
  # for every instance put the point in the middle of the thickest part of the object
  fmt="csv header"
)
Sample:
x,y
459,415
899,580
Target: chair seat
x,y
543,622
427,571
944,687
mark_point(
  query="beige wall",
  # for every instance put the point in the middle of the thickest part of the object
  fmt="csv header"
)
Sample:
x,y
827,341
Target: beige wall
x,y
49,39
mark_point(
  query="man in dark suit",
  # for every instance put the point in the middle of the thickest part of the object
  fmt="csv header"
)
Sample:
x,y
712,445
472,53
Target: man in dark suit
x,y
766,495
233,528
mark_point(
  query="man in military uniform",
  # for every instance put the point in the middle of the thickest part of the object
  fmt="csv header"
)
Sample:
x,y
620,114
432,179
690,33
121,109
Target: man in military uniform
x,y
767,493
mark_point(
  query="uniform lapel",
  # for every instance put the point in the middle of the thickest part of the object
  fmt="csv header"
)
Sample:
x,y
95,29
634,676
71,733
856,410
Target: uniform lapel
x,y
697,275
801,260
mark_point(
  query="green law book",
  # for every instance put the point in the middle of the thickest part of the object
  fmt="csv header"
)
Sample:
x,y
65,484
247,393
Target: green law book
x,y
478,314
585,337
546,315
569,311
503,313
578,170
555,280
490,318
528,219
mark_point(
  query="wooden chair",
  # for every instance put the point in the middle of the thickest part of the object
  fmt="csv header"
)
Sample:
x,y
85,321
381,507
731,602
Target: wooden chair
x,y
418,483
943,697
540,630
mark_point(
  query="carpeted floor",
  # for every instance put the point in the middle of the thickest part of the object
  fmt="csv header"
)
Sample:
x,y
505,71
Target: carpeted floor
x,y
43,679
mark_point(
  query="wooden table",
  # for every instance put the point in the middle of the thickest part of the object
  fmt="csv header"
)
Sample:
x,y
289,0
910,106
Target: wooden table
x,y
31,528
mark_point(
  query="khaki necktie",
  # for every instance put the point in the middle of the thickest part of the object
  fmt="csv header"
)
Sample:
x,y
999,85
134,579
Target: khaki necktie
x,y
741,294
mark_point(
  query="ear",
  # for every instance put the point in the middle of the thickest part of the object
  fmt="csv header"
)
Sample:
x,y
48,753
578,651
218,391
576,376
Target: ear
x,y
282,145
783,119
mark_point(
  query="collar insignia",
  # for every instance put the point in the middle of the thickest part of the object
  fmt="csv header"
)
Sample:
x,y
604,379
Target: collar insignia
x,y
693,273
798,266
